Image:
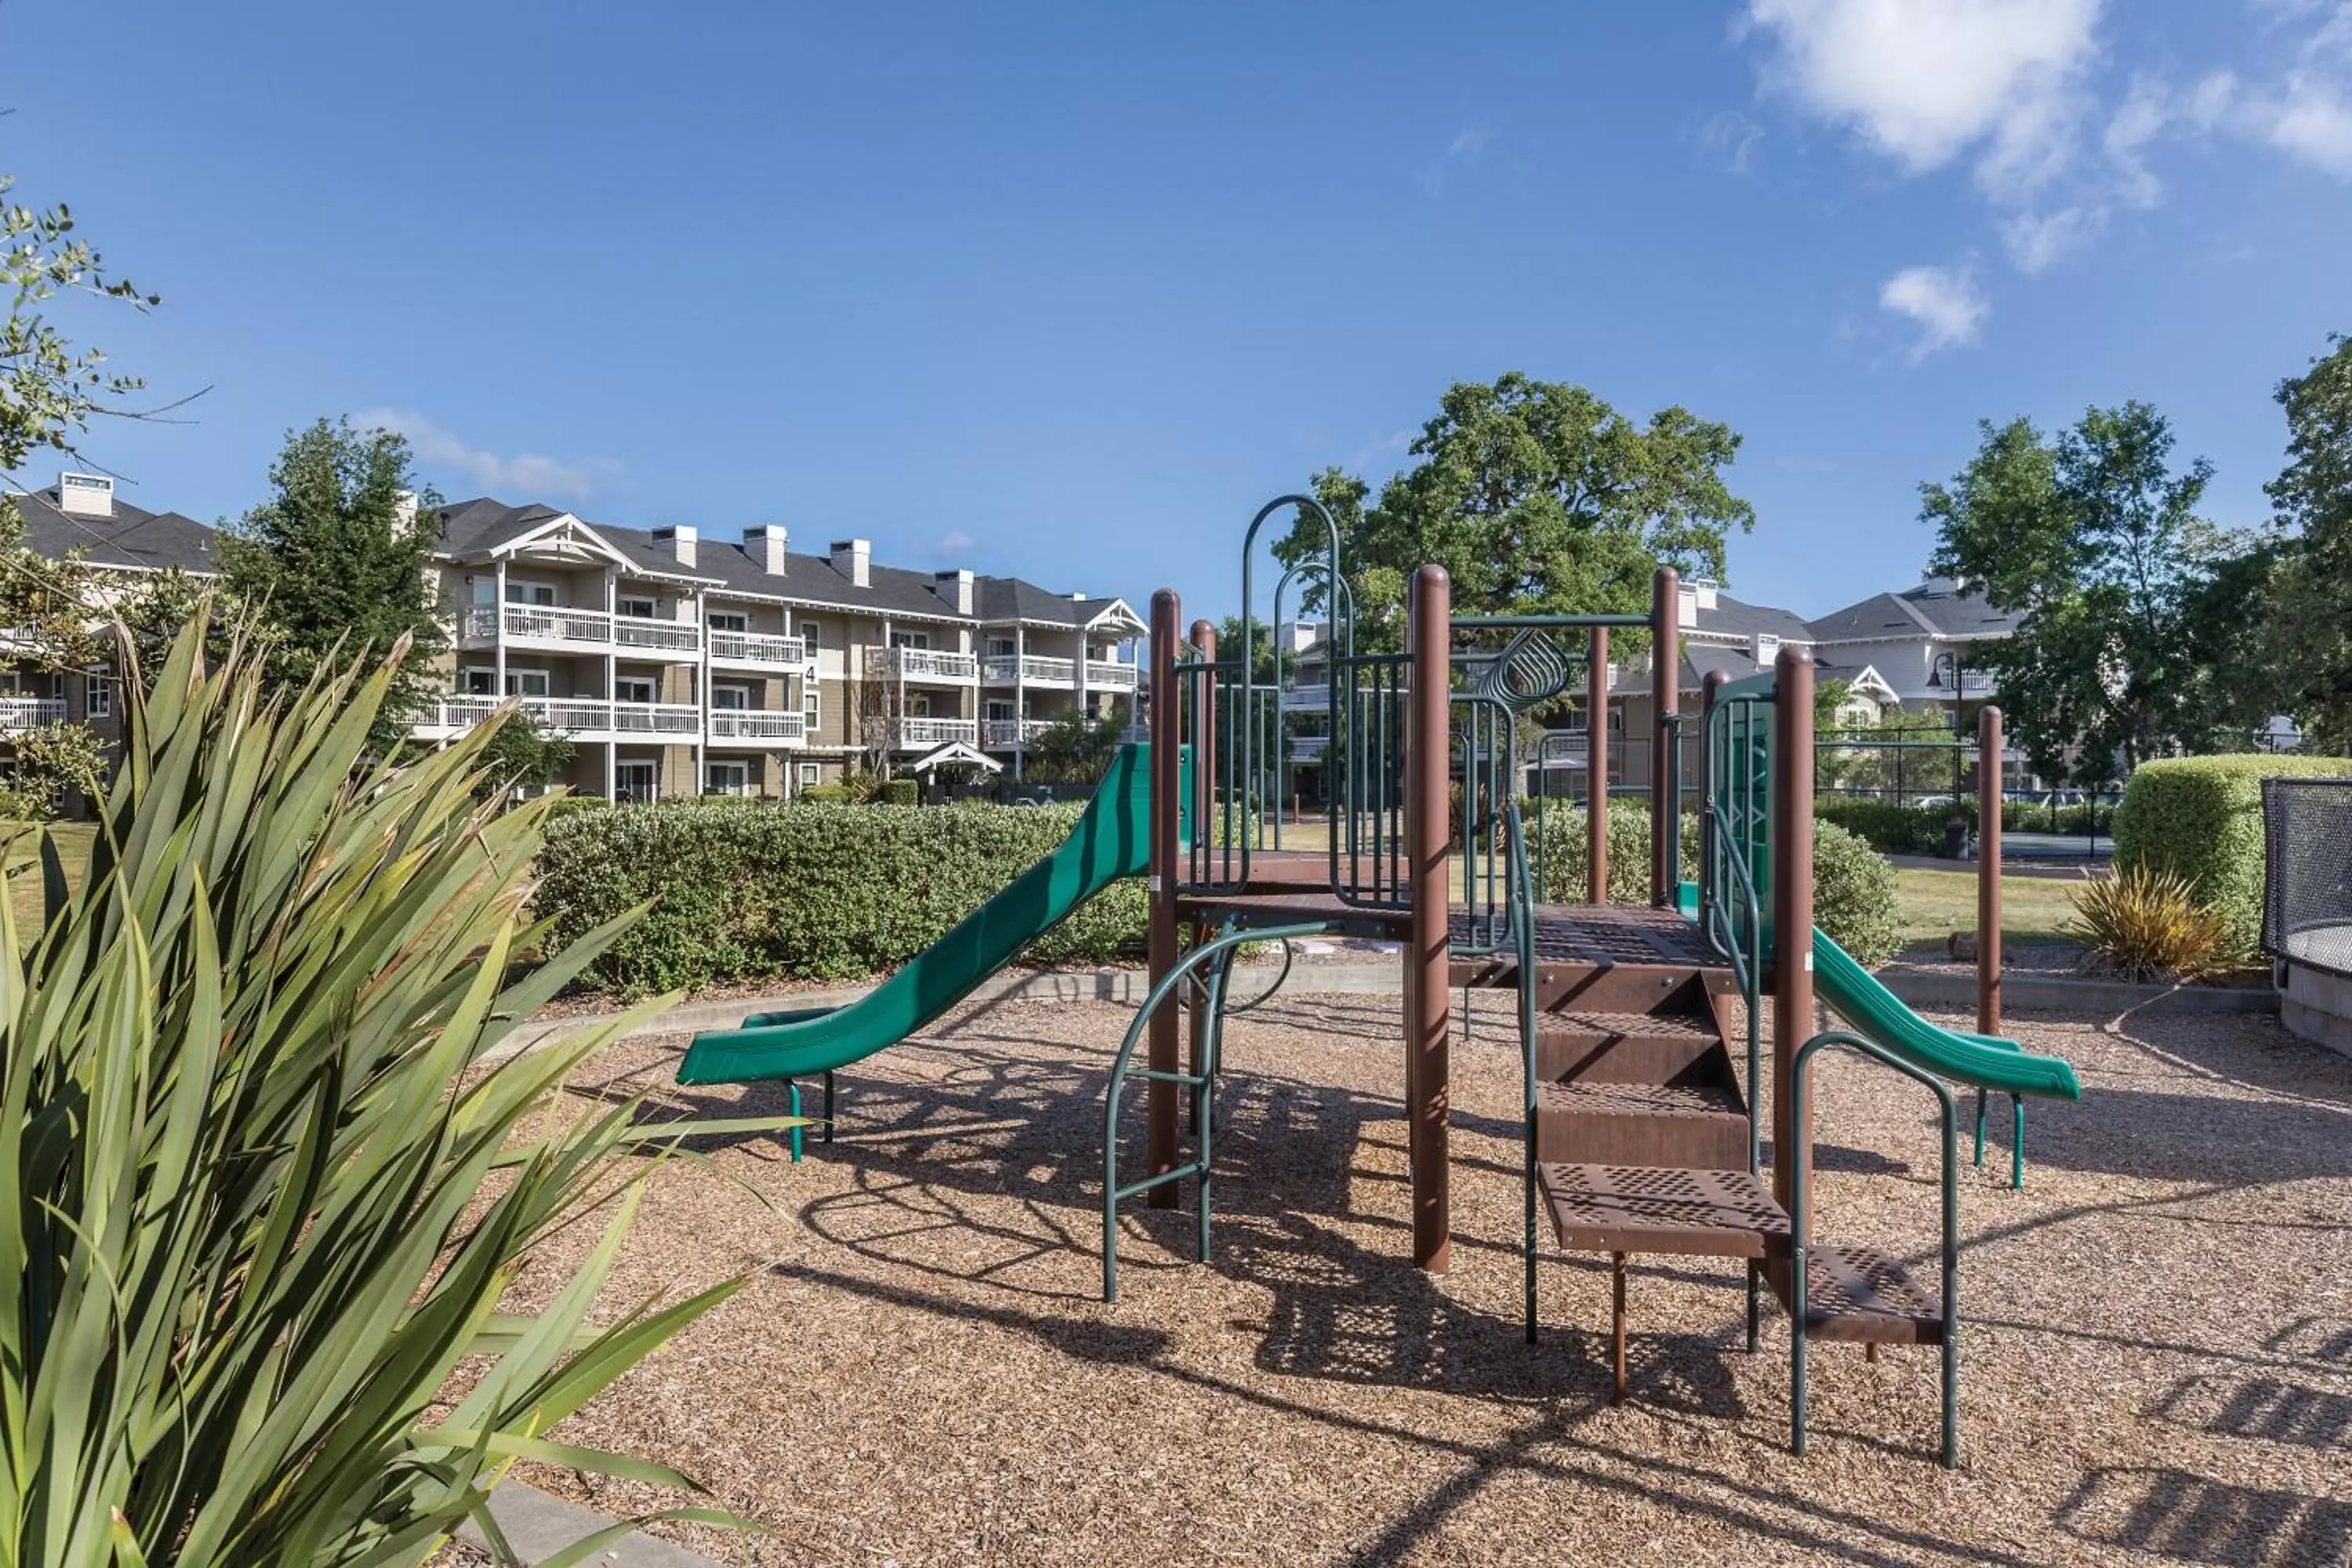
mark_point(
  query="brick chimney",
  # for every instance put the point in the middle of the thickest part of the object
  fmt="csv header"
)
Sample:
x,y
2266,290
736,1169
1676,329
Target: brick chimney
x,y
852,558
764,543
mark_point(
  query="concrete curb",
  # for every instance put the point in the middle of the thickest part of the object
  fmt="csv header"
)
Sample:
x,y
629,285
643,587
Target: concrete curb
x,y
2036,994
539,1526
1918,987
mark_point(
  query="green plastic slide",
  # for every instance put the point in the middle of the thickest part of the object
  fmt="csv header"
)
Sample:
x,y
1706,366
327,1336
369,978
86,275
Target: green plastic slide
x,y
1980,1061
1110,841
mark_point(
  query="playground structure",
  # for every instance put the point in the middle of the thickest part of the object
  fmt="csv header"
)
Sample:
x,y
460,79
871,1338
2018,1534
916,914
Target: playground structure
x,y
1641,1132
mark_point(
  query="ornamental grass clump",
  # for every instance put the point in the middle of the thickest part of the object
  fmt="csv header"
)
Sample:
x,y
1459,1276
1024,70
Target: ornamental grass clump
x,y
2146,925
263,1193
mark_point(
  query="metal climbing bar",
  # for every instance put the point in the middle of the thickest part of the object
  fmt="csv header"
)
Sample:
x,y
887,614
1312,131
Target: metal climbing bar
x,y
1200,1082
1800,1271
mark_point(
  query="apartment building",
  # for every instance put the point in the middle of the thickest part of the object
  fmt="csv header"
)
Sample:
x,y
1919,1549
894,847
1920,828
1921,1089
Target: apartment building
x,y
678,665
118,542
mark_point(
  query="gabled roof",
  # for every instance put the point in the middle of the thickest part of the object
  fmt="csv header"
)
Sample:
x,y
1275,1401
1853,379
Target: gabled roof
x,y
133,539
1738,618
1937,608
478,526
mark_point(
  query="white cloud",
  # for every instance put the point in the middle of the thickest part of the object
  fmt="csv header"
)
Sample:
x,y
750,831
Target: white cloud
x,y
1925,80
2034,242
2307,111
525,477
1465,143
1943,302
2146,112
955,542
1730,137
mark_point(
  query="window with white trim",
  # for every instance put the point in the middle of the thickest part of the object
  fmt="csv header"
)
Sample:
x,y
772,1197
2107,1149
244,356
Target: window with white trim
x,y
636,606
522,591
729,778
635,688
637,782
911,639
810,706
733,699
97,694
811,775
729,621
1001,647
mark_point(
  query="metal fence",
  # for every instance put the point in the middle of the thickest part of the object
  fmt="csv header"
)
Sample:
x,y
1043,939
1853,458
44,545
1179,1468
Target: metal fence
x,y
2307,872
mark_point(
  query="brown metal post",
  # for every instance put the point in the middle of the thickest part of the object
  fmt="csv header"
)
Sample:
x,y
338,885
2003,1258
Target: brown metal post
x,y
1708,689
1596,770
1167,872
1792,909
1205,821
1429,639
1665,696
1988,827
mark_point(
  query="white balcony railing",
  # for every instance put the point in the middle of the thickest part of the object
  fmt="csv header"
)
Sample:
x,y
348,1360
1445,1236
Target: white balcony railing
x,y
1004,670
1034,669
568,627
1304,697
760,649
576,716
1109,675
1005,735
756,724
925,664
924,733
26,712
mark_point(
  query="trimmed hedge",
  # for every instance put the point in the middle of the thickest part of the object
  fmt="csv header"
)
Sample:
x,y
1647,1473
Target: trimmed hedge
x,y
898,791
1890,827
768,891
2202,818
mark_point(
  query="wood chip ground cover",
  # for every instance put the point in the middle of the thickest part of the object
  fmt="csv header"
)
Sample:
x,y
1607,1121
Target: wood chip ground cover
x,y
2156,1363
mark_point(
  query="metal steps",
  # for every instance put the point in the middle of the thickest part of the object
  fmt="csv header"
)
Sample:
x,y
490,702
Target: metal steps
x,y
1681,1126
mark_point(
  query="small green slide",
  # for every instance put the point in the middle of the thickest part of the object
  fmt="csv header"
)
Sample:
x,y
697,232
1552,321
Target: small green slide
x,y
1980,1061
1110,841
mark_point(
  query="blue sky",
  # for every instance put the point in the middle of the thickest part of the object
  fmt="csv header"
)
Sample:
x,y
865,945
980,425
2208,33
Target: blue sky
x,y
1066,290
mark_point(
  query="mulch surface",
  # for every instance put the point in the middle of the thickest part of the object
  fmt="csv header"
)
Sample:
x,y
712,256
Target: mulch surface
x,y
2156,1362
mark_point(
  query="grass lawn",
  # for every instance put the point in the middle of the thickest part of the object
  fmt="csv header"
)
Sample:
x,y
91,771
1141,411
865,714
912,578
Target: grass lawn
x,y
22,857
1931,905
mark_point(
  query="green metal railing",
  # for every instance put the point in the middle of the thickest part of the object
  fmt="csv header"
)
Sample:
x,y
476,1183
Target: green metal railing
x,y
1801,1090
1217,957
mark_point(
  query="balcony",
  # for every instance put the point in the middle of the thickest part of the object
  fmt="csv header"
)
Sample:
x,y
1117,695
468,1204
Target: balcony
x,y
561,629
1004,670
1011,734
1031,669
925,664
923,735
759,650
756,727
574,718
1305,697
29,713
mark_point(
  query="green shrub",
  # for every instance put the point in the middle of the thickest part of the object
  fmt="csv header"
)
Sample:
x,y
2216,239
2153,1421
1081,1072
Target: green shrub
x,y
1854,887
2201,817
897,791
828,795
270,1189
2144,924
802,894
1893,827
1556,850
1853,895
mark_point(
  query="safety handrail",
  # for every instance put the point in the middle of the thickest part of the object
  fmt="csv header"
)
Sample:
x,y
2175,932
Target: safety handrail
x,y
1523,935
1748,973
1199,1080
1799,1208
